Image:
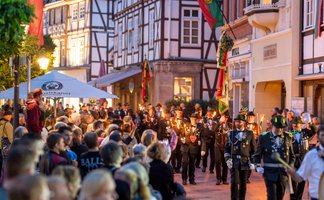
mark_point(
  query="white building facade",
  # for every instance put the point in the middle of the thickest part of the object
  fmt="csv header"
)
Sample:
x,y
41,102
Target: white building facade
x,y
82,31
178,44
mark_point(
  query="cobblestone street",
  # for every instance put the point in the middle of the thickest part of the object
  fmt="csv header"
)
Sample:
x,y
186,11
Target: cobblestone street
x,y
206,188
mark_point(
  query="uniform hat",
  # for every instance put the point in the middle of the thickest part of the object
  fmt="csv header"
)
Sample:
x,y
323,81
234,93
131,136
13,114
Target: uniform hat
x,y
297,120
178,109
240,117
279,121
244,110
158,105
250,113
126,104
209,109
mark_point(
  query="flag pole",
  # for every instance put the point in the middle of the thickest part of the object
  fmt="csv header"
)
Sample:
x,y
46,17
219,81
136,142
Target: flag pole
x,y
226,20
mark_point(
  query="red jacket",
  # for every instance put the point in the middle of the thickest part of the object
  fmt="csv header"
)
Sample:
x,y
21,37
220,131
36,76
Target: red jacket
x,y
34,123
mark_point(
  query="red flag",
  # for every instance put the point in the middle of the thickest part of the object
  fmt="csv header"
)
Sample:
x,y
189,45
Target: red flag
x,y
36,27
220,84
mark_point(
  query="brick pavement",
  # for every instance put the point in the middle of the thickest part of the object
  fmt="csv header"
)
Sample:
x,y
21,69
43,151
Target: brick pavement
x,y
206,188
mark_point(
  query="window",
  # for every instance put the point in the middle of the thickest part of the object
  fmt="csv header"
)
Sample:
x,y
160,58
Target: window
x,y
74,12
136,33
308,14
52,15
81,51
151,28
62,54
73,52
238,14
130,35
270,52
63,14
57,16
191,24
82,11
120,37
183,88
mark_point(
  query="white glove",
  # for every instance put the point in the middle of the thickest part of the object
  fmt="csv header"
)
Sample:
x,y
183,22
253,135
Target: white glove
x,y
199,143
202,153
260,170
252,166
229,163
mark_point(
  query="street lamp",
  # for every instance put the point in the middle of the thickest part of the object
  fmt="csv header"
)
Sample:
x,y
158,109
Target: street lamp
x,y
43,63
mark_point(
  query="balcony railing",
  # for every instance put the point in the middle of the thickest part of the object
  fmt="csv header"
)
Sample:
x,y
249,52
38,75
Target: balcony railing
x,y
255,7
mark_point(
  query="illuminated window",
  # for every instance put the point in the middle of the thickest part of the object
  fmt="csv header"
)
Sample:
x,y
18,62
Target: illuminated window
x,y
74,12
183,88
82,11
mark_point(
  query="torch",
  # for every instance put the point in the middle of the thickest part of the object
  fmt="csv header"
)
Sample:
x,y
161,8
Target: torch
x,y
276,156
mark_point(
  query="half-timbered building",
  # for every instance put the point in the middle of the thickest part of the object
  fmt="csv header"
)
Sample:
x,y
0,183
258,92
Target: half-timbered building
x,y
311,68
178,44
82,31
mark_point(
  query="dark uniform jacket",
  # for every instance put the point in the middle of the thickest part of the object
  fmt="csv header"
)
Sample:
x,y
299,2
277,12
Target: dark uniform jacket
x,y
267,146
221,135
240,150
300,145
194,132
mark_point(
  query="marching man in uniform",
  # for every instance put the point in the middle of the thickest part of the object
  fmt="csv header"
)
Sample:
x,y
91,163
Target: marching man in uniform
x,y
238,150
275,142
190,141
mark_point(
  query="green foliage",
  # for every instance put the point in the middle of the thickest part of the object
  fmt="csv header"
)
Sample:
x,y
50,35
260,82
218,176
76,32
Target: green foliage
x,y
14,15
191,104
30,48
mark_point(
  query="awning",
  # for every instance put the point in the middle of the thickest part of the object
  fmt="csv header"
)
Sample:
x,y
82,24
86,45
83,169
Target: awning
x,y
55,84
114,77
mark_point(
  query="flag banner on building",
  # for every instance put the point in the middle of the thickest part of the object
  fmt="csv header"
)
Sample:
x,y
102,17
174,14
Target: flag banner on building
x,y
36,27
212,12
318,18
145,81
226,43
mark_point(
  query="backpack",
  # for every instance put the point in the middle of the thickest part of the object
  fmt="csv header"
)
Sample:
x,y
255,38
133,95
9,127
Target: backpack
x,y
5,143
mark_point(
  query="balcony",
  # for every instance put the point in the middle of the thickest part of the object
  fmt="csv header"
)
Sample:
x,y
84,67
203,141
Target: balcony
x,y
263,14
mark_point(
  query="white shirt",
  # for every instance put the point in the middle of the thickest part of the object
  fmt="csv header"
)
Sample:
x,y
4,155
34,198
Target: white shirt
x,y
311,169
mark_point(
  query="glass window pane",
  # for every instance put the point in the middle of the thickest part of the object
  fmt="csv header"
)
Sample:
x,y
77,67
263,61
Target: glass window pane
x,y
195,32
194,40
186,32
195,13
186,40
186,23
183,88
194,24
187,13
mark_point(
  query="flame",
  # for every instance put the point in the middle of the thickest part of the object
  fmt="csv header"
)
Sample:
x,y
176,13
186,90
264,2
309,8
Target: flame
x,y
162,114
261,120
214,114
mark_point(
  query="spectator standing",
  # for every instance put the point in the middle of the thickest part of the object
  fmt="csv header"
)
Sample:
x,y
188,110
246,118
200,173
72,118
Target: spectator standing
x,y
34,121
90,160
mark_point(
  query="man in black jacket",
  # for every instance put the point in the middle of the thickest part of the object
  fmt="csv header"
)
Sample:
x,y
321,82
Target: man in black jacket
x,y
239,147
275,141
190,141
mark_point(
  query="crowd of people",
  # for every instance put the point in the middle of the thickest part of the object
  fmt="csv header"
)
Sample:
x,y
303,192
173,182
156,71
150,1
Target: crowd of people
x,y
101,153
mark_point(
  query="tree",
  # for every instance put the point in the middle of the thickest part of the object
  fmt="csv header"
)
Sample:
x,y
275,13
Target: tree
x,y
30,48
15,15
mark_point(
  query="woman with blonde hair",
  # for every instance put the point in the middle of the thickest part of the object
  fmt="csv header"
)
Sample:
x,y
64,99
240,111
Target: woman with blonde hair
x,y
148,137
161,174
136,176
72,176
98,185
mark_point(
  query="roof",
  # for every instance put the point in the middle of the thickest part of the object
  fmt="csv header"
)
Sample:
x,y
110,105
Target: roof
x,y
114,77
